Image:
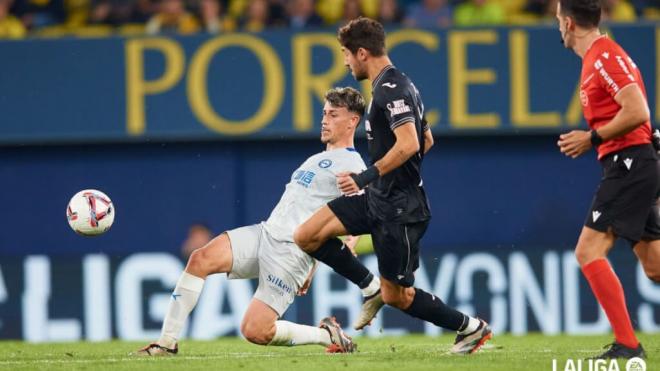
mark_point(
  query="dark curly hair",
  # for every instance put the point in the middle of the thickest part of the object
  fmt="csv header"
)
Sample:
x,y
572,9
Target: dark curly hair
x,y
363,33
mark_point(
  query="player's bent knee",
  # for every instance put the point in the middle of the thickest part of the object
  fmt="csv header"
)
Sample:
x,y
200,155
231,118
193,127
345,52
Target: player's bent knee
x,y
304,239
396,299
299,238
593,245
209,259
257,338
197,263
256,333
585,255
581,256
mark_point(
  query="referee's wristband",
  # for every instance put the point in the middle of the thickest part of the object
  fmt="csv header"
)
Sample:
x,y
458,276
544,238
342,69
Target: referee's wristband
x,y
364,178
596,139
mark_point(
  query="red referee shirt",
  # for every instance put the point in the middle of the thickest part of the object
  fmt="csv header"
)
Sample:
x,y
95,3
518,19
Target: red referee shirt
x,y
606,69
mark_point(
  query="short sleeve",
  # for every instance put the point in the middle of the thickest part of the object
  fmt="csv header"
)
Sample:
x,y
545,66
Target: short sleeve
x,y
351,162
396,103
614,71
357,165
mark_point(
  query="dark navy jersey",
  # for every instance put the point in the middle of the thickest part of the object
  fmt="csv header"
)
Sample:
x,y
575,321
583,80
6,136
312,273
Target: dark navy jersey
x,y
398,195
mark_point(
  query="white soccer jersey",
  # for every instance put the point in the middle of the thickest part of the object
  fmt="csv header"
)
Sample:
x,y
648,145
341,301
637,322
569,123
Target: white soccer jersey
x,y
312,185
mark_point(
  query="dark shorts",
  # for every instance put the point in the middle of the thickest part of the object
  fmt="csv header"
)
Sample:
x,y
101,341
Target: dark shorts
x,y
626,200
396,244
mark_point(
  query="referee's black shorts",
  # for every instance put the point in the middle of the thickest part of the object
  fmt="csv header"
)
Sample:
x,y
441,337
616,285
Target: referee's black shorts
x,y
626,200
396,244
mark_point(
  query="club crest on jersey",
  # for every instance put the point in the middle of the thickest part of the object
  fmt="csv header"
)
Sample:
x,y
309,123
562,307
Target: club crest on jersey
x,y
325,163
584,98
398,107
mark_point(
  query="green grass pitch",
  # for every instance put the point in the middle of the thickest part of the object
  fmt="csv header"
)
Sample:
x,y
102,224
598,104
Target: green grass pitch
x,y
412,352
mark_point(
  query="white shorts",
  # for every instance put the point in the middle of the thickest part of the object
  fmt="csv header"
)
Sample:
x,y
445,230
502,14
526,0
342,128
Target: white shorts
x,y
281,266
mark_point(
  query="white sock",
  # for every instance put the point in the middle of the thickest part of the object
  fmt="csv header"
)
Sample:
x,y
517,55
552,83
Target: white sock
x,y
290,334
183,300
472,325
373,287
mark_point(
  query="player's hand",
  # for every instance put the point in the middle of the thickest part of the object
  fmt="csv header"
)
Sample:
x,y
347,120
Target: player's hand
x,y
351,242
302,291
308,282
346,184
575,143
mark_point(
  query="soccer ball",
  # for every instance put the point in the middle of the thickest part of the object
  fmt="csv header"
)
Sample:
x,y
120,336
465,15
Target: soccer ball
x,y
90,212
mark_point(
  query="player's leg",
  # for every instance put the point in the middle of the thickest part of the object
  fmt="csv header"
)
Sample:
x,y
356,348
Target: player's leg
x,y
621,207
234,252
591,252
260,326
397,250
215,257
593,245
648,253
319,228
318,238
472,332
648,249
282,270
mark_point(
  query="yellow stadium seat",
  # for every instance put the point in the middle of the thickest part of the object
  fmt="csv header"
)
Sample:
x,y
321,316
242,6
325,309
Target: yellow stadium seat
x,y
651,13
131,29
51,31
93,31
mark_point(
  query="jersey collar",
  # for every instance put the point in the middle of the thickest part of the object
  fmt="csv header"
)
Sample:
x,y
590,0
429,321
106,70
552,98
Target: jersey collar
x,y
380,75
603,36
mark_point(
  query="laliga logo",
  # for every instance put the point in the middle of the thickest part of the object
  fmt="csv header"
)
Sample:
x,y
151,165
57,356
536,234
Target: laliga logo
x,y
633,364
636,364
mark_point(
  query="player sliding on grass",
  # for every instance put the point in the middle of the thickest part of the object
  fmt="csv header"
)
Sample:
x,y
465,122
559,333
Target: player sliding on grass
x,y
267,250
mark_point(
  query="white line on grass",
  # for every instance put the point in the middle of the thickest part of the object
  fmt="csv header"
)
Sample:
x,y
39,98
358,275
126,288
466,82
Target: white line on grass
x,y
149,359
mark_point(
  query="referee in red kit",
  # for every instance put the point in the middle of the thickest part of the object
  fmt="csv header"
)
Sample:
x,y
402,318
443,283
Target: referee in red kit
x,y
614,103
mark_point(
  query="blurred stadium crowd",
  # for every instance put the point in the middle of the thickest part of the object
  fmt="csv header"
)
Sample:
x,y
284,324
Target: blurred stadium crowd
x,y
94,18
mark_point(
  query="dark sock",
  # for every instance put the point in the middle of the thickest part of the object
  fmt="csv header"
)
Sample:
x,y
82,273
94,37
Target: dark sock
x,y
339,257
431,309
